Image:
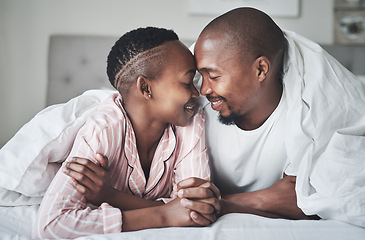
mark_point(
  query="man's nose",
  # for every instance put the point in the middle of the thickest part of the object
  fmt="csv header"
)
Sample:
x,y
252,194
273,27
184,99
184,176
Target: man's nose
x,y
205,88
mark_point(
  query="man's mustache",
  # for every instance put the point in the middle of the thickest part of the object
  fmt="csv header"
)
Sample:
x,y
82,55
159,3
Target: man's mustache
x,y
215,98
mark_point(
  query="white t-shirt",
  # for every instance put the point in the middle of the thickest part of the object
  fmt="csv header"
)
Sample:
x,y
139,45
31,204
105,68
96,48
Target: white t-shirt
x,y
243,161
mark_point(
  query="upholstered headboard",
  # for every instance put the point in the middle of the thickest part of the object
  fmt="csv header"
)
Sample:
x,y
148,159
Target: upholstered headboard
x,y
78,63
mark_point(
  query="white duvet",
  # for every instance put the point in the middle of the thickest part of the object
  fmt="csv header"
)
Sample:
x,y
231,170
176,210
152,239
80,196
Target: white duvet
x,y
15,223
326,133
32,157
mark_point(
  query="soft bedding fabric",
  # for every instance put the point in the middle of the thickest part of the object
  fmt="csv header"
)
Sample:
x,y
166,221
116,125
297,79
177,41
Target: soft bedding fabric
x,y
326,133
32,157
16,223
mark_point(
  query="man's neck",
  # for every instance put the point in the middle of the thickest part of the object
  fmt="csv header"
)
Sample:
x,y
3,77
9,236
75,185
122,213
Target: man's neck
x,y
267,107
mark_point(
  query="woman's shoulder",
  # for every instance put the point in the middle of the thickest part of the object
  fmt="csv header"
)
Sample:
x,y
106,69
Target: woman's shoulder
x,y
109,113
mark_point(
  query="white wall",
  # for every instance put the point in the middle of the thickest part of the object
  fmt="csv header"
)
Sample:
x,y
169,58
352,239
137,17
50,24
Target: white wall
x,y
25,27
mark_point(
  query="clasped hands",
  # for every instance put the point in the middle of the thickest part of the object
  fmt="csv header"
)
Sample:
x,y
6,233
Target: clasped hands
x,y
202,198
197,202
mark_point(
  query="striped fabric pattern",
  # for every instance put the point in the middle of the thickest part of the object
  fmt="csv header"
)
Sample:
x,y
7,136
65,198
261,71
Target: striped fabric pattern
x,y
181,153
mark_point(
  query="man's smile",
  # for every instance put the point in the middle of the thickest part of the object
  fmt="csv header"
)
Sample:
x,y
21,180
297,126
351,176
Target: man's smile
x,y
216,102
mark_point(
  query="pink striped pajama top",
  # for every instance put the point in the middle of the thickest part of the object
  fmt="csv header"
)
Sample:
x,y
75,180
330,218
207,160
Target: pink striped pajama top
x,y
181,153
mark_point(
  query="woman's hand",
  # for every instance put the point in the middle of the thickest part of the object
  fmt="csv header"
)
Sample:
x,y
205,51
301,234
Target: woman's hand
x,y
172,214
90,179
202,198
178,215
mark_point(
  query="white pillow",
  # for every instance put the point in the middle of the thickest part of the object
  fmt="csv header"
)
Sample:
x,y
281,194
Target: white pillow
x,y
30,160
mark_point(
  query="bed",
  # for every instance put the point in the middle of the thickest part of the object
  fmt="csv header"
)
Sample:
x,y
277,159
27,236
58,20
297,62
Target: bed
x,y
77,64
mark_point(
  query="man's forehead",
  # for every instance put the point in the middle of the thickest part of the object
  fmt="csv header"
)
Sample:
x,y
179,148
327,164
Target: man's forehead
x,y
215,60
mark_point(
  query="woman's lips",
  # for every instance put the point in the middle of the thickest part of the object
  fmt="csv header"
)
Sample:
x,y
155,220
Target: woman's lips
x,y
190,107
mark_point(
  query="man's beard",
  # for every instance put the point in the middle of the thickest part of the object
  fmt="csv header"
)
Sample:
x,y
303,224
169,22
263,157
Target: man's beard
x,y
232,119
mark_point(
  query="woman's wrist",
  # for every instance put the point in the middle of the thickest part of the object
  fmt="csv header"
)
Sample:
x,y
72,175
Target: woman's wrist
x,y
138,219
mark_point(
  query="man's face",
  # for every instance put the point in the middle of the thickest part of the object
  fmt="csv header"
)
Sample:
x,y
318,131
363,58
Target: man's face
x,y
173,92
229,83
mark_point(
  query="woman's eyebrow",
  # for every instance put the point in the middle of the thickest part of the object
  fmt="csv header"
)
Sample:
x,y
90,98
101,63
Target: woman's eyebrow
x,y
191,71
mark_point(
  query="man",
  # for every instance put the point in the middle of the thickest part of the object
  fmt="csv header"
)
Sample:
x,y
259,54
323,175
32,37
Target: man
x,y
285,125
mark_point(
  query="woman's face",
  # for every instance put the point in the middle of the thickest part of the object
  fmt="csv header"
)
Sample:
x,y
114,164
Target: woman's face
x,y
173,92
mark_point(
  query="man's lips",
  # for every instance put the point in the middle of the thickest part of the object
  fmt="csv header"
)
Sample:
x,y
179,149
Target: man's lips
x,y
216,102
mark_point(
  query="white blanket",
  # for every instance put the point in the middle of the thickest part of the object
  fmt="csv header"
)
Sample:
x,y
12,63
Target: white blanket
x,y
326,133
30,160
16,223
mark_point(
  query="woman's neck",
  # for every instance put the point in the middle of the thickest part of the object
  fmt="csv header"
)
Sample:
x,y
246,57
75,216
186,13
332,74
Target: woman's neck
x,y
148,132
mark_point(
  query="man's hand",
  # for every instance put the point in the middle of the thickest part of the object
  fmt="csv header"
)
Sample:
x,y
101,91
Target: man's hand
x,y
282,197
201,197
90,179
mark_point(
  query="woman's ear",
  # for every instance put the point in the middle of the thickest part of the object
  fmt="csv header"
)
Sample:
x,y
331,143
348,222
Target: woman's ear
x,y
144,87
262,68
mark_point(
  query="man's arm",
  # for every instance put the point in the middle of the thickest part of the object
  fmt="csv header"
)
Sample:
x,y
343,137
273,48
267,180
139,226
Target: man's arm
x,y
279,200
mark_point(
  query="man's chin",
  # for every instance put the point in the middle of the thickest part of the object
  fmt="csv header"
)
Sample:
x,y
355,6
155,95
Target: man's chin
x,y
229,120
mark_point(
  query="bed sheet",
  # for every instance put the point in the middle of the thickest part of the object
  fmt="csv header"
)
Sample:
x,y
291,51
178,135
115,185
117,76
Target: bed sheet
x,y
16,223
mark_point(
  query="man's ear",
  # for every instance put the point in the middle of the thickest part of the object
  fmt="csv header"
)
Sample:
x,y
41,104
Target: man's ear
x,y
144,87
262,68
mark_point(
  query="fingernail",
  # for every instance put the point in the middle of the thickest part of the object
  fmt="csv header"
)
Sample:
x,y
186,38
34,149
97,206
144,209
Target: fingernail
x,y
184,202
180,193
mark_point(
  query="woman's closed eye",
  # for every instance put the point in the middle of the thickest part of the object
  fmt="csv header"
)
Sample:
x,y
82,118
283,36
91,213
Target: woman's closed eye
x,y
188,85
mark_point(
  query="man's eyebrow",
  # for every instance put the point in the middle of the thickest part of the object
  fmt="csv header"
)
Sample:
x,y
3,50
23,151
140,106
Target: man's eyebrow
x,y
205,69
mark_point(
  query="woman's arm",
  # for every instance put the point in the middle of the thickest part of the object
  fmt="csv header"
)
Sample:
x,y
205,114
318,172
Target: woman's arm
x,y
138,213
172,214
93,181
65,213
